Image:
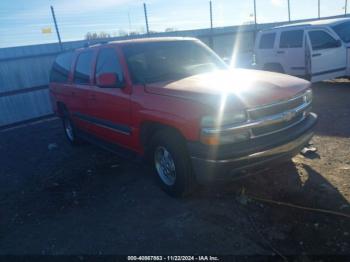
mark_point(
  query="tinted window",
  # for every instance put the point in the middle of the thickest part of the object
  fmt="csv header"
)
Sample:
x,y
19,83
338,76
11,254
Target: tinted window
x,y
267,41
322,40
61,67
108,62
292,39
83,68
343,30
169,60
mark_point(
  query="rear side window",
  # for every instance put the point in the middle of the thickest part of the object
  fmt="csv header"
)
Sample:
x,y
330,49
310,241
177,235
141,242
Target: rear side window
x,y
267,41
108,62
83,68
322,40
61,68
343,30
292,39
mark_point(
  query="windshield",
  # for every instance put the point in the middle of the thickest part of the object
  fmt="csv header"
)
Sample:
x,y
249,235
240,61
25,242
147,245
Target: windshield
x,y
343,30
169,60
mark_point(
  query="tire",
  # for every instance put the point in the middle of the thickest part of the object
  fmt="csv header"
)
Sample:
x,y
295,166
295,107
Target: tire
x,y
69,129
172,164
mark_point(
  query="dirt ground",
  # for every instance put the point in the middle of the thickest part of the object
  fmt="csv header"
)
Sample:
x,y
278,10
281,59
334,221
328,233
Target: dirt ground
x,y
56,199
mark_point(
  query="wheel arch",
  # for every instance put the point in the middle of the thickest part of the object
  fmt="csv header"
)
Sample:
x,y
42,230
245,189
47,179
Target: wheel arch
x,y
61,108
150,128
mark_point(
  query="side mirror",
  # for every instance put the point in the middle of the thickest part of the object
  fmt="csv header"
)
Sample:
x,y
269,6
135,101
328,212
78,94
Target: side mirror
x,y
107,80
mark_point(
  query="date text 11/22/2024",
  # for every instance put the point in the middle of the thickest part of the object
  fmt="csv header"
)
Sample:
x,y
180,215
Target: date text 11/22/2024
x,y
173,258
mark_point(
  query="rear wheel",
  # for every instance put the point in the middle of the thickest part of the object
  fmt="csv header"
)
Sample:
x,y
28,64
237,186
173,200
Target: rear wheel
x,y
69,129
172,164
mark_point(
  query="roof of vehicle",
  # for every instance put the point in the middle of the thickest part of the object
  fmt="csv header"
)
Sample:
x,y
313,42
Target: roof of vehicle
x,y
322,22
143,40
151,39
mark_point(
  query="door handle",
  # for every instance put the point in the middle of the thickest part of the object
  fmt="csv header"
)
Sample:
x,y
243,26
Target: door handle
x,y
281,52
314,55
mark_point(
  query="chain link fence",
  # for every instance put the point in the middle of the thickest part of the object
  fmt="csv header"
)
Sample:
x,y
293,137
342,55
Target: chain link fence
x,y
106,18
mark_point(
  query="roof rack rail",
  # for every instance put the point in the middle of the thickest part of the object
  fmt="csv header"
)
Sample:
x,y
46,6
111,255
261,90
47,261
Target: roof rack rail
x,y
95,43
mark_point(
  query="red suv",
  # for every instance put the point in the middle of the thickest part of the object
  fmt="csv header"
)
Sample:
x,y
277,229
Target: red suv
x,y
174,101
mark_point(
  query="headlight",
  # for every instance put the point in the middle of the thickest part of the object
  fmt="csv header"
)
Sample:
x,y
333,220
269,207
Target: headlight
x,y
308,96
221,139
226,119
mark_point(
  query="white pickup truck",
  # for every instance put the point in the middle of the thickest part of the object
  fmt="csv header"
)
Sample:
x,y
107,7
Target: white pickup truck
x,y
317,51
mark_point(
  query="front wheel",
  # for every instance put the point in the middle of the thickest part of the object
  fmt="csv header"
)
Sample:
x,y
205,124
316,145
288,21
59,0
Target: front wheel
x,y
172,164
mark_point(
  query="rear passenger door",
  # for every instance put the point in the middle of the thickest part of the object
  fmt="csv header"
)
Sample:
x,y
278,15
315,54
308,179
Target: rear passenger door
x,y
81,88
291,52
328,55
60,88
110,106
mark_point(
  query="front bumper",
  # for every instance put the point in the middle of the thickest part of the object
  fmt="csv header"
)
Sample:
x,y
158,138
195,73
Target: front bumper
x,y
224,162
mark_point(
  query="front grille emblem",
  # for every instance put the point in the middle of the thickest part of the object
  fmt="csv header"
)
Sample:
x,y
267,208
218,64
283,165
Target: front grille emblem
x,y
287,116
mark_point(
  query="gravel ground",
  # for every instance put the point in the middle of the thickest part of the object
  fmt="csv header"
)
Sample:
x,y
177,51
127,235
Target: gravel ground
x,y
56,199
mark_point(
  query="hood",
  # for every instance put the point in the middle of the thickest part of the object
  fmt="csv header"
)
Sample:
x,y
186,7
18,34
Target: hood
x,y
249,88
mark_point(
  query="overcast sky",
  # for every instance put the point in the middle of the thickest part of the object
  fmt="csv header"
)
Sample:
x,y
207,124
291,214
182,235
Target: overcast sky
x,y
22,21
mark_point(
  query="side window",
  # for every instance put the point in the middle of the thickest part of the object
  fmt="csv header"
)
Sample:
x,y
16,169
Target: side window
x,y
108,62
138,67
343,31
267,41
61,68
292,39
83,68
322,40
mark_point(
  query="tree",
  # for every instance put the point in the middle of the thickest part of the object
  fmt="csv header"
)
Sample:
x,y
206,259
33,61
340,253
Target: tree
x,y
170,29
121,32
94,35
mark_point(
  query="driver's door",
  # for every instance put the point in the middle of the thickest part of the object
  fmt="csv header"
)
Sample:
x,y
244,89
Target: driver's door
x,y
327,56
110,106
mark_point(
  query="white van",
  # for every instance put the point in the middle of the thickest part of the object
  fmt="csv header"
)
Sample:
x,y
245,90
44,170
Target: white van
x,y
317,51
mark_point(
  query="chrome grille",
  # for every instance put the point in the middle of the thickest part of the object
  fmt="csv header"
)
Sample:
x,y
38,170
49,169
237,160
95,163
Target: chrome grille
x,y
255,114
268,119
260,131
277,108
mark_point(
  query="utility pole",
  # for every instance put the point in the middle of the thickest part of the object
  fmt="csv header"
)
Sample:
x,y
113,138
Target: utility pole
x,y
56,26
211,14
255,21
346,7
146,17
288,10
211,25
129,22
319,9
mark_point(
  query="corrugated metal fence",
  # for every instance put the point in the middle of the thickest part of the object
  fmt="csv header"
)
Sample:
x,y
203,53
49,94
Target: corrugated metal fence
x,y
24,75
